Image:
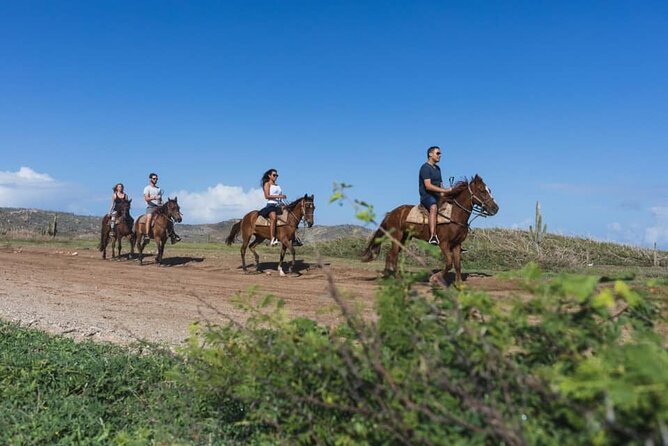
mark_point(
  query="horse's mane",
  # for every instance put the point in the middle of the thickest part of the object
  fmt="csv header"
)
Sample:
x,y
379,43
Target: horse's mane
x,y
457,189
162,209
292,205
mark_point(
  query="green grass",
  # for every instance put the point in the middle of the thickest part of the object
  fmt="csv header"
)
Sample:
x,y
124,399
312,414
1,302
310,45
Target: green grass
x,y
57,391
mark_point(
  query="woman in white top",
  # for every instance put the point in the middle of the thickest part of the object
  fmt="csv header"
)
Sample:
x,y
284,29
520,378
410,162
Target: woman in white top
x,y
274,196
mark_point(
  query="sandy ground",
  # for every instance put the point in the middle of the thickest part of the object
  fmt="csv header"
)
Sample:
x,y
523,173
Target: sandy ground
x,y
82,296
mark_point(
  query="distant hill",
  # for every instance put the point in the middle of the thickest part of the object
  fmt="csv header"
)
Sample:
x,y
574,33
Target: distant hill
x,y
19,221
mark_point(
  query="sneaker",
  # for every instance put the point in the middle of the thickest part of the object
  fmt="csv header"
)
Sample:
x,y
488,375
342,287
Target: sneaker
x,y
464,250
297,242
174,238
274,242
434,240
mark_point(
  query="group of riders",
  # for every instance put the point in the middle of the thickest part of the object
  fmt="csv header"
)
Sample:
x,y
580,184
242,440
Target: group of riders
x,y
153,197
430,186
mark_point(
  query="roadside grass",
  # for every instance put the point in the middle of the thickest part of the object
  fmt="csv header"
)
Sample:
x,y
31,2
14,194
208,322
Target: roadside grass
x,y
57,391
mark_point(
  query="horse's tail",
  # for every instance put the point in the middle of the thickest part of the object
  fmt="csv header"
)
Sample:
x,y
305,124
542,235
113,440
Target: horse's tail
x,y
373,248
233,233
103,239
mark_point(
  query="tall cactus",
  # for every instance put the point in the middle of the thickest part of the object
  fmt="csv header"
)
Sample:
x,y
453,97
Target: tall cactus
x,y
536,232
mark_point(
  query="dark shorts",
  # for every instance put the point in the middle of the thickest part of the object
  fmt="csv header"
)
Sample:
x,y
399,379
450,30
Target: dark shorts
x,y
429,201
268,209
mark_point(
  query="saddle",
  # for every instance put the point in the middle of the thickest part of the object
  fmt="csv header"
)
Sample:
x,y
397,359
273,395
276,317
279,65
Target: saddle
x,y
420,215
142,221
281,220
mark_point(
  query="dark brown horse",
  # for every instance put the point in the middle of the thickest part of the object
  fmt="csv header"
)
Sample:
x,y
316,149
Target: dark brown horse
x,y
466,197
122,228
161,225
298,209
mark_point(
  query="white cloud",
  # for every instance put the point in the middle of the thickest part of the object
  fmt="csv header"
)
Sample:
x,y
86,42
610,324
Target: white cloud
x,y
218,203
27,188
658,232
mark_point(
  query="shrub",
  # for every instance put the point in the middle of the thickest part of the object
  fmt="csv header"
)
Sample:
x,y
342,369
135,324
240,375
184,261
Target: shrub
x,y
573,363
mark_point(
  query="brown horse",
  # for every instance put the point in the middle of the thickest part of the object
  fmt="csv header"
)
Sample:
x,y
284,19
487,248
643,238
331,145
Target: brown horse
x,y
466,197
161,225
298,209
122,228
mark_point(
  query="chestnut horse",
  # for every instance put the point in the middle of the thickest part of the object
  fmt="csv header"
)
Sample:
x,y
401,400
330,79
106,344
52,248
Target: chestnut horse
x,y
467,198
122,228
298,209
161,224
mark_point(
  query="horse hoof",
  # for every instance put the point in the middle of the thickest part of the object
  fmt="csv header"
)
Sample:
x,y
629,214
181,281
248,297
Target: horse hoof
x,y
437,279
281,273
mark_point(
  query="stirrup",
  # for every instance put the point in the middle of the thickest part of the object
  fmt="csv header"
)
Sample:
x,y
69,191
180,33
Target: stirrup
x,y
434,240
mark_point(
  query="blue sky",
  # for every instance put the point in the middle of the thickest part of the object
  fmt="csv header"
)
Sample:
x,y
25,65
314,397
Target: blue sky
x,y
565,103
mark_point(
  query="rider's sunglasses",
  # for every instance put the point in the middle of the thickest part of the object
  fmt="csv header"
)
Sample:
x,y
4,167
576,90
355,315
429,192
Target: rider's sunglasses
x,y
275,175
154,178
437,153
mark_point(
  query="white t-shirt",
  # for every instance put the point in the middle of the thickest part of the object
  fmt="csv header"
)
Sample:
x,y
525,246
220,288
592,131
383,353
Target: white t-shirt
x,y
153,191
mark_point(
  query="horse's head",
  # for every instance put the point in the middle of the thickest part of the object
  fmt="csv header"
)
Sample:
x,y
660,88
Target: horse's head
x,y
308,204
173,210
123,208
482,196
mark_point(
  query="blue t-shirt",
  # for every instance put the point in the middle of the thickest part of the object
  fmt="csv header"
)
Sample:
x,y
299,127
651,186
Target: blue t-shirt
x,y
433,173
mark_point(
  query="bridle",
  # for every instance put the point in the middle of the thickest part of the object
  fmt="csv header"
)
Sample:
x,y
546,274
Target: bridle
x,y
303,217
477,210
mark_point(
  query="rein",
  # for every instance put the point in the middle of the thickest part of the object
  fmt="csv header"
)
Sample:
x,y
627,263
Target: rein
x,y
477,210
303,217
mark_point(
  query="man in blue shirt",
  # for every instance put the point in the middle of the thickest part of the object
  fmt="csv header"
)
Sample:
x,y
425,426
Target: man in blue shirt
x,y
431,187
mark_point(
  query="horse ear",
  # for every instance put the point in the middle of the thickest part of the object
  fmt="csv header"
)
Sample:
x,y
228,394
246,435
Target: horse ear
x,y
305,196
130,200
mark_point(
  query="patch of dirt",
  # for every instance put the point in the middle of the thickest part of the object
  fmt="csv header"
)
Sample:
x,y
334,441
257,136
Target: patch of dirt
x,y
82,296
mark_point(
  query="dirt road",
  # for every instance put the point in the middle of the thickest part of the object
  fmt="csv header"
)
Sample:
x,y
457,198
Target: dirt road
x,y
80,295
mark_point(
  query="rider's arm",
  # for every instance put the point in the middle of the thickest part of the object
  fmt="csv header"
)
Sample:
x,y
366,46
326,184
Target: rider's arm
x,y
433,188
113,198
267,196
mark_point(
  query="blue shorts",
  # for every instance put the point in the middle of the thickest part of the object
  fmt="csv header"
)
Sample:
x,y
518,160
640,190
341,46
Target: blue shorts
x,y
428,201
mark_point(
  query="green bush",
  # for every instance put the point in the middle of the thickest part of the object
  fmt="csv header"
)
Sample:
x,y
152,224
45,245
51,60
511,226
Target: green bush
x,y
56,391
571,362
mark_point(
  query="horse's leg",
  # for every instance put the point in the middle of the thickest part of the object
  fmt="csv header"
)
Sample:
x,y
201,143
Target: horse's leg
x,y
104,243
292,251
252,246
244,245
393,255
161,246
457,260
280,260
116,242
447,253
133,240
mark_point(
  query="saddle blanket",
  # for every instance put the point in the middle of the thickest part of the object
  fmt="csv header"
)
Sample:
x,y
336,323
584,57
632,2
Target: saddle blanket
x,y
420,215
281,220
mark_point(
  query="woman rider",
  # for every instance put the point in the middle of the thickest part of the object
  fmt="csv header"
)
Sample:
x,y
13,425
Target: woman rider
x,y
274,196
117,197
